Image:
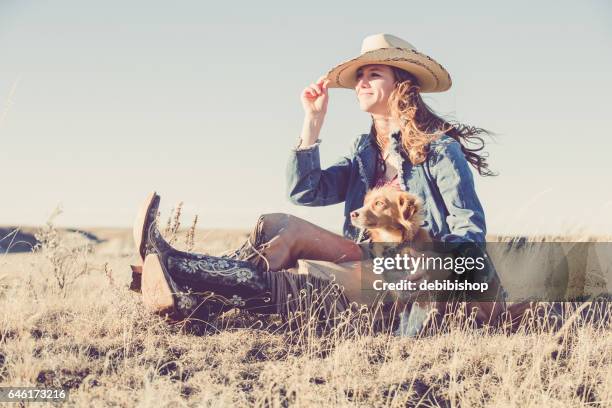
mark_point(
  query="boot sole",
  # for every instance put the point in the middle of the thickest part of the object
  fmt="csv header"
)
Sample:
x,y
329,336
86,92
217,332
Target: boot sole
x,y
157,293
139,229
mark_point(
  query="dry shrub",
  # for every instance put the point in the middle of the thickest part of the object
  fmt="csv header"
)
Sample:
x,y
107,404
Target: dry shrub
x,y
190,237
68,260
173,225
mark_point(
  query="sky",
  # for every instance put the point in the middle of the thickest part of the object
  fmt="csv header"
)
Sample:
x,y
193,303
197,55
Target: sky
x,y
102,102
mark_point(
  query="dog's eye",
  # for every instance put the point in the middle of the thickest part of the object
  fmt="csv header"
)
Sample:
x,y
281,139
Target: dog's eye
x,y
379,204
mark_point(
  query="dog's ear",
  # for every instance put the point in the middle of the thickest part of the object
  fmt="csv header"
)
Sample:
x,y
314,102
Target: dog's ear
x,y
407,206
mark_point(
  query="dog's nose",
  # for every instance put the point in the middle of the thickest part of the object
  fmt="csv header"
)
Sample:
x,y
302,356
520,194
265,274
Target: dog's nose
x,y
355,214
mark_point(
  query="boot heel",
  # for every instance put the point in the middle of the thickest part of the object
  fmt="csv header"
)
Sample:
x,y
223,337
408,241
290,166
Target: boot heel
x,y
136,283
157,293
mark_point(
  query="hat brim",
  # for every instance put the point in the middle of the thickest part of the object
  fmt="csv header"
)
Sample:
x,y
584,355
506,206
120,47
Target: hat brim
x,y
431,75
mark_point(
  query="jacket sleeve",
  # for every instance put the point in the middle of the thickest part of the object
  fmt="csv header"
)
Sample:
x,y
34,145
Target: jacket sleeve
x,y
455,183
308,184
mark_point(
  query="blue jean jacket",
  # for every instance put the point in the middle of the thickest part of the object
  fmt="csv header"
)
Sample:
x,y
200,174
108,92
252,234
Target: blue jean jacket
x,y
444,182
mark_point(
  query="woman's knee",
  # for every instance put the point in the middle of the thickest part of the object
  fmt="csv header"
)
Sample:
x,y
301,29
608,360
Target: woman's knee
x,y
278,221
270,225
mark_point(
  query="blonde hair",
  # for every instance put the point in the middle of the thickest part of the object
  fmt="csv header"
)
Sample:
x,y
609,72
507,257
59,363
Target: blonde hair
x,y
419,125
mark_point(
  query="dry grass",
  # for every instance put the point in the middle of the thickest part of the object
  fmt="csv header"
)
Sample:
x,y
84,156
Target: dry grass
x,y
94,337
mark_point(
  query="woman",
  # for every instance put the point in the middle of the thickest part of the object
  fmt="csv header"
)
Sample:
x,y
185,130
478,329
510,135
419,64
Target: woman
x,y
407,146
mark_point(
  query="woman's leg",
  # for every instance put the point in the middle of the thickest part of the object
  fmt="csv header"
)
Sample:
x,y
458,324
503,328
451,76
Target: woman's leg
x,y
279,240
183,284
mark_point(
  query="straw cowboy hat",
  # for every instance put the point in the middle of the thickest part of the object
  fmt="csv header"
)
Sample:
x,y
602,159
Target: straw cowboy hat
x,y
388,49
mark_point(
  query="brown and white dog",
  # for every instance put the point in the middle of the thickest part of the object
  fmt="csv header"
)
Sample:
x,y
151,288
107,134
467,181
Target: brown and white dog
x,y
393,216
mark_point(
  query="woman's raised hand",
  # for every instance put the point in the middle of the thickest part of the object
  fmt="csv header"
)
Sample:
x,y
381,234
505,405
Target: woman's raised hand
x,y
314,98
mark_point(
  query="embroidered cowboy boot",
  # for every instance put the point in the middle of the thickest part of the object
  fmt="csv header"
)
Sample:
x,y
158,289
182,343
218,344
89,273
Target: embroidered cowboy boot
x,y
183,284
161,293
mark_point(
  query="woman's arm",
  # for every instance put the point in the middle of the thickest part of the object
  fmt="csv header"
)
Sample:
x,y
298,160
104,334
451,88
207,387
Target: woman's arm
x,y
455,182
308,184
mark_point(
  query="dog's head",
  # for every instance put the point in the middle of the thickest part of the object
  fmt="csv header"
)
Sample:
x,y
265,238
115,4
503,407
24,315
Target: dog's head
x,y
388,213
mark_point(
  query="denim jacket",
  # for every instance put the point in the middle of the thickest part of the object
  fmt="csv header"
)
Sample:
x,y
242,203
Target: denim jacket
x,y
452,211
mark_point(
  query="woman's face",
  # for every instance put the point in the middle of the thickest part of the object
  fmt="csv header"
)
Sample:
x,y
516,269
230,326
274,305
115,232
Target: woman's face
x,y
374,85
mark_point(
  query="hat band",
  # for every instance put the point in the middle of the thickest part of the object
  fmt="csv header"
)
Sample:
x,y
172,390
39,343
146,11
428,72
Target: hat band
x,y
394,59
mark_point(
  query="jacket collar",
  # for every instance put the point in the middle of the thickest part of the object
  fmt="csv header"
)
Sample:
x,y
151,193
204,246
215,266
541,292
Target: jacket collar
x,y
366,156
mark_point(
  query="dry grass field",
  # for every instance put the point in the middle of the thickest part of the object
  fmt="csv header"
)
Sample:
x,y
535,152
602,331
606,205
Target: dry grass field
x,y
67,319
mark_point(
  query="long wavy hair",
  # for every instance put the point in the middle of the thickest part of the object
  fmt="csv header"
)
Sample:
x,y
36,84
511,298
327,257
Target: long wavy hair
x,y
419,125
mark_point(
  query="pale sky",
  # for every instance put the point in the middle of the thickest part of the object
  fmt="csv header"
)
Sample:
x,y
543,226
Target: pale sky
x,y
101,102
